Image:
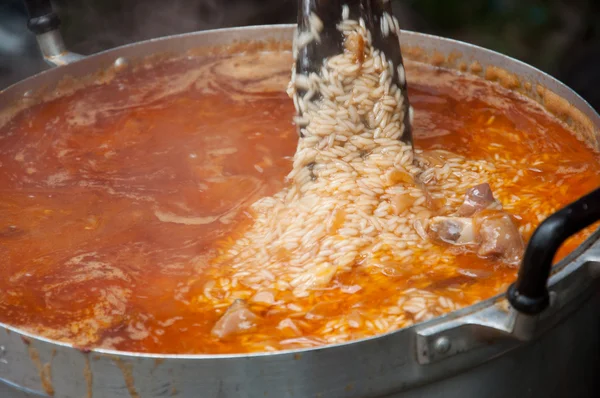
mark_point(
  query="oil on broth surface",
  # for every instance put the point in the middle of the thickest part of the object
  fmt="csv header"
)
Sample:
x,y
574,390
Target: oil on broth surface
x,y
114,199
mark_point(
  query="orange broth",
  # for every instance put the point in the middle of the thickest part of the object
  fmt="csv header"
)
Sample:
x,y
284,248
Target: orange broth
x,y
106,195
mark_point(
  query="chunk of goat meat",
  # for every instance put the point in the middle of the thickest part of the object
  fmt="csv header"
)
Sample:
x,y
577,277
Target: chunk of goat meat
x,y
453,230
492,232
238,318
430,202
477,198
499,236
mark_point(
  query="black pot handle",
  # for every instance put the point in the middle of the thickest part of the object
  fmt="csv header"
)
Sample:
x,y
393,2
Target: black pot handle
x,y
42,18
529,294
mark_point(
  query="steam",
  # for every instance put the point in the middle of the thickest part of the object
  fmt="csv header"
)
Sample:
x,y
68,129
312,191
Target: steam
x,y
90,26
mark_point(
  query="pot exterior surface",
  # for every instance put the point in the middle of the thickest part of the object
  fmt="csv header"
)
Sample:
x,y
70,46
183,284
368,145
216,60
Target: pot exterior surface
x,y
558,365
565,362
496,352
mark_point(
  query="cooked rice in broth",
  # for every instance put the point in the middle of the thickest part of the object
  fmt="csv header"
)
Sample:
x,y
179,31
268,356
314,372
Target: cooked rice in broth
x,y
150,212
357,197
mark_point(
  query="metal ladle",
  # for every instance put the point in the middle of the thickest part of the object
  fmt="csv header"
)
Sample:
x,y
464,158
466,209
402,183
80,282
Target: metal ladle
x,y
379,21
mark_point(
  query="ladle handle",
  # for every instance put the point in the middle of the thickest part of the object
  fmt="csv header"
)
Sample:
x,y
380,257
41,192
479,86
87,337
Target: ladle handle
x,y
42,18
529,294
378,18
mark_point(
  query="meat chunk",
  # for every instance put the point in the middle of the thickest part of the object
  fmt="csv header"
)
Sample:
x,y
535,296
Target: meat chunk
x,y
453,230
238,318
477,198
493,233
435,157
499,236
401,202
264,297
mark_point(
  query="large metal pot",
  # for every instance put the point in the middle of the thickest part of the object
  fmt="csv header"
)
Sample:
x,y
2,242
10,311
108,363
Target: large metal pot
x,y
545,343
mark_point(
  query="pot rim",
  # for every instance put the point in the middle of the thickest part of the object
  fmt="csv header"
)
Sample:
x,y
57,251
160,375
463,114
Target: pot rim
x,y
558,269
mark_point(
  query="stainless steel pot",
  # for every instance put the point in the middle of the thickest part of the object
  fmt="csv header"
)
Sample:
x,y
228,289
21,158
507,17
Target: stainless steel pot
x,y
545,343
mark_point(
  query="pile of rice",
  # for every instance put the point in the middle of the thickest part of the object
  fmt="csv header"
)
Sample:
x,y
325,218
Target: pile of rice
x,y
357,195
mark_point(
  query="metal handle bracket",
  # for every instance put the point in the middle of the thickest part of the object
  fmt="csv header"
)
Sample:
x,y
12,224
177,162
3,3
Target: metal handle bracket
x,y
490,326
